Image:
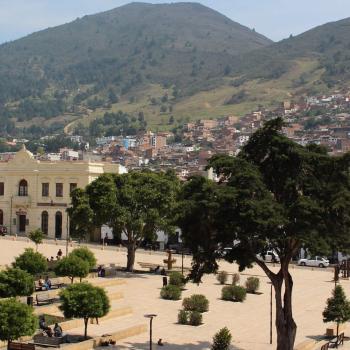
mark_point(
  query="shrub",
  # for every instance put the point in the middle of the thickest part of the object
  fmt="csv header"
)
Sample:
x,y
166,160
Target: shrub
x,y
177,279
233,293
182,317
195,318
31,261
238,293
197,302
37,237
222,277
235,279
226,293
252,284
222,340
171,292
86,255
15,282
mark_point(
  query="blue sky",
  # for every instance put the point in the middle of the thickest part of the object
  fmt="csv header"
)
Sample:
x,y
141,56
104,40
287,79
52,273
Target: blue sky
x,y
276,19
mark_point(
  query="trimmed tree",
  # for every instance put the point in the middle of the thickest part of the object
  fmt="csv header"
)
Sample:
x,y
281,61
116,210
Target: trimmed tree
x,y
31,261
15,282
276,195
137,204
72,266
16,320
37,237
338,308
85,254
83,300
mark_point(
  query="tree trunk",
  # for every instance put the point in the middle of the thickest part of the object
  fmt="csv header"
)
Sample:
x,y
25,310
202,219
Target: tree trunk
x,y
131,256
285,325
86,320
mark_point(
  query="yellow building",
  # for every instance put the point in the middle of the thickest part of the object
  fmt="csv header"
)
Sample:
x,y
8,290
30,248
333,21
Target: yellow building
x,y
35,194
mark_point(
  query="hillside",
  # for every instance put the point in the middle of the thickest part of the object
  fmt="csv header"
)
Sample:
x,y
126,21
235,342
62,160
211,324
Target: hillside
x,y
98,59
328,44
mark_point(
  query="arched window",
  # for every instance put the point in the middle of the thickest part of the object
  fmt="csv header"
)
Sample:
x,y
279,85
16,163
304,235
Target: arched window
x,y
58,224
1,217
23,188
45,222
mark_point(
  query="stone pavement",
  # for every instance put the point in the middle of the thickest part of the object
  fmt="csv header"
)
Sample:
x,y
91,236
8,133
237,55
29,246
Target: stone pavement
x,y
248,321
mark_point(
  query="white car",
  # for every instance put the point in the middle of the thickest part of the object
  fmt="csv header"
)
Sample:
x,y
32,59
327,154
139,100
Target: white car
x,y
318,261
270,256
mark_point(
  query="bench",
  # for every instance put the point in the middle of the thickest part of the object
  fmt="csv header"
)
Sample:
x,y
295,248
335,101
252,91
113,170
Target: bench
x,y
149,266
339,340
44,298
20,346
57,283
325,346
53,342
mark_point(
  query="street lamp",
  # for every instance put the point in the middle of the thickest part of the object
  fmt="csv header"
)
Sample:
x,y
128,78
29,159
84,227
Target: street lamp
x,y
150,316
270,312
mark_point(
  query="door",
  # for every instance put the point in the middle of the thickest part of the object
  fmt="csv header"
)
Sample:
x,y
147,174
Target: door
x,y
22,223
58,225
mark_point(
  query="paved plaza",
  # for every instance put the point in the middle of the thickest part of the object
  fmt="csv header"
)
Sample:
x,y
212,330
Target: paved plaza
x,y
248,321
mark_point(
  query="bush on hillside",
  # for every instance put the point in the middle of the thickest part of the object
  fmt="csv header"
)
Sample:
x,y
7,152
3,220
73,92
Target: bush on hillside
x,y
222,340
182,317
233,293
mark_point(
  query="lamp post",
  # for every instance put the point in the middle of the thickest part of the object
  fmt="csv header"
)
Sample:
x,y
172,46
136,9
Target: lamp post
x,y
270,312
150,316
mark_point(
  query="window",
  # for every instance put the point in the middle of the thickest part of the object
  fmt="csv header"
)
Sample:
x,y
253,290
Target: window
x,y
2,188
45,222
72,187
59,190
23,188
45,189
1,217
58,225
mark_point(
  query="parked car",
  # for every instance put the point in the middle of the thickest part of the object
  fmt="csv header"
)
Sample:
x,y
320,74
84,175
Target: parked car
x,y
270,256
316,261
3,230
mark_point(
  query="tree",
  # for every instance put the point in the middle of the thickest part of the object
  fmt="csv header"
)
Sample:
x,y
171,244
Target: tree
x,y
338,308
16,320
85,254
15,282
72,266
137,204
83,300
37,237
276,195
31,261
80,214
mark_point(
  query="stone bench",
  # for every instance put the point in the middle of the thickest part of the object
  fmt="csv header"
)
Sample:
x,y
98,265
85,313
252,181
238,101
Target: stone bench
x,y
54,342
44,298
20,346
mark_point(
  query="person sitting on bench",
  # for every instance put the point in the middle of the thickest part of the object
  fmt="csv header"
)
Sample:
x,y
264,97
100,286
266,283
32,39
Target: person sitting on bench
x,y
42,325
57,330
157,269
47,283
41,283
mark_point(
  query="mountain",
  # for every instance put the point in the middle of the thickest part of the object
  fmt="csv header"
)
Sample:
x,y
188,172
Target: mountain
x,y
96,60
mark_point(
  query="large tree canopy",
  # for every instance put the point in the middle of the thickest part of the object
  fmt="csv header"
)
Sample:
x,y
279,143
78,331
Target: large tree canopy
x,y
276,195
136,204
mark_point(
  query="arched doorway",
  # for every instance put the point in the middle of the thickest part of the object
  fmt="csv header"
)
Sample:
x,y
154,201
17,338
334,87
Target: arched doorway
x,y
58,225
1,217
23,188
45,222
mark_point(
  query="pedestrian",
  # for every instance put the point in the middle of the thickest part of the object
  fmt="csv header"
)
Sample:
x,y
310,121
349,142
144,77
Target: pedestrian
x,y
59,253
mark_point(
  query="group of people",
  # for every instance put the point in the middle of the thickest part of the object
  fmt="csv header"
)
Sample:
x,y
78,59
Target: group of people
x,y
44,284
58,256
56,332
